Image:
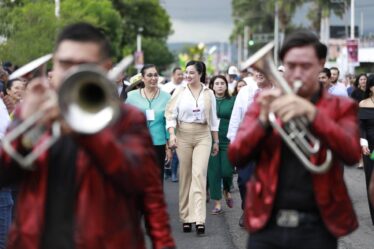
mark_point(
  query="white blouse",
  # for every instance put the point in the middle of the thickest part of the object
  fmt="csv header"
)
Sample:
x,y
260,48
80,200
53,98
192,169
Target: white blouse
x,y
190,110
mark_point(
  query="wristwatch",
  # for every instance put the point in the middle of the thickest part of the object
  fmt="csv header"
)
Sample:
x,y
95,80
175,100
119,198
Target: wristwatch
x,y
216,142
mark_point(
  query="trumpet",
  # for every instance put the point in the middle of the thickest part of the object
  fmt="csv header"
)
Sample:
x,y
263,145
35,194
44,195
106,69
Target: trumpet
x,y
295,132
88,102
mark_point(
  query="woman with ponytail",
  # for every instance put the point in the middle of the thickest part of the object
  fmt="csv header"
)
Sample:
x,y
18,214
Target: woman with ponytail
x,y
192,122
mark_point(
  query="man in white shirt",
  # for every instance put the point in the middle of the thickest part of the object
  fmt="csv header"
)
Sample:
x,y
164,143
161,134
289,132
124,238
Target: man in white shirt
x,y
243,100
233,74
176,80
337,88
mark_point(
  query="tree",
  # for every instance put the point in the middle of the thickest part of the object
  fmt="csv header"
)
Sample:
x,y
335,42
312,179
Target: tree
x,y
259,15
30,27
322,9
155,22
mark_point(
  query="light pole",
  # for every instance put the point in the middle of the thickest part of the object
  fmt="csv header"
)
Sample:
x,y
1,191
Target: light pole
x,y
57,8
139,59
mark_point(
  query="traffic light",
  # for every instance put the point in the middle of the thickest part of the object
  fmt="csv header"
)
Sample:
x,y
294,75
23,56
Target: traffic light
x,y
251,41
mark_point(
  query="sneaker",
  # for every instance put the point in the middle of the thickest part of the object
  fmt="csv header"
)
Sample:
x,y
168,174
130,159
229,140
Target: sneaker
x,y
216,211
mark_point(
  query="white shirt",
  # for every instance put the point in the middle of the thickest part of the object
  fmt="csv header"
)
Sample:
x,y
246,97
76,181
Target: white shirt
x,y
242,102
232,86
4,119
170,86
185,106
338,89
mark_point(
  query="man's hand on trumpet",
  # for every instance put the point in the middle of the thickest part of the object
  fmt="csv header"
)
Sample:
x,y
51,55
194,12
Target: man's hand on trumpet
x,y
285,107
39,97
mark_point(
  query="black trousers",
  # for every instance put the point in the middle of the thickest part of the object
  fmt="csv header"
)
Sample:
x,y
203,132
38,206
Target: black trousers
x,y
307,236
368,168
160,155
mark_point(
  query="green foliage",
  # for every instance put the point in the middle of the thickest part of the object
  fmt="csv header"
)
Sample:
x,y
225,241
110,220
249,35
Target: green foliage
x,y
30,27
259,14
30,30
156,25
156,52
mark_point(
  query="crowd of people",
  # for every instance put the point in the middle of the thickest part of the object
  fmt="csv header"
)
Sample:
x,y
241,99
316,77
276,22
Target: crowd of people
x,y
205,130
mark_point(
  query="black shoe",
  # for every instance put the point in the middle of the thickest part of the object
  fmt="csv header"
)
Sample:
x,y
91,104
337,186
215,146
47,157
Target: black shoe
x,y
187,227
200,229
241,221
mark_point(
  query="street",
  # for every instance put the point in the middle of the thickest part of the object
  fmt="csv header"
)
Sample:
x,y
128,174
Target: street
x,y
223,232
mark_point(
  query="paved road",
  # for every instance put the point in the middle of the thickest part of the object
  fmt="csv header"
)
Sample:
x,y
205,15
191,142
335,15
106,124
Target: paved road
x,y
223,231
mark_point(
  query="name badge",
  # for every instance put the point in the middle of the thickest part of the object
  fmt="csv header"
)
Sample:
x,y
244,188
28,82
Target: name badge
x,y
150,114
196,114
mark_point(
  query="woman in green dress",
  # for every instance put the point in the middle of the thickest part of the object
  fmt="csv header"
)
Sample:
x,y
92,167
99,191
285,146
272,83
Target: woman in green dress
x,y
220,169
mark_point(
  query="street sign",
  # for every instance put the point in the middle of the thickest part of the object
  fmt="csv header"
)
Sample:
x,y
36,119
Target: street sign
x,y
263,37
352,49
139,59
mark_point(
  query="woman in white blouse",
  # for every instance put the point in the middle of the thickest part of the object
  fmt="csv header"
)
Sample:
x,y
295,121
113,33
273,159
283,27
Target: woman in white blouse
x,y
192,121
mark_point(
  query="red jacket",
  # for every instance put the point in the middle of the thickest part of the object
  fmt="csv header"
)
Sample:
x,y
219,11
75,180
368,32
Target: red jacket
x,y
118,183
336,126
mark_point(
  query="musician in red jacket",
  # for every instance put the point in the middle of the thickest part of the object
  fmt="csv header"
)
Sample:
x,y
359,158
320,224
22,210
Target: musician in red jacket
x,y
86,191
287,206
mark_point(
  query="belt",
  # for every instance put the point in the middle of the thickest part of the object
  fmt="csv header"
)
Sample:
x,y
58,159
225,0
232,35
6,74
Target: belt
x,y
294,218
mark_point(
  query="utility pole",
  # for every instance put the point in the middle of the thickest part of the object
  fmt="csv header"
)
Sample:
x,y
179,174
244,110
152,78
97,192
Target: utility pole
x,y
276,32
352,19
245,42
240,49
57,8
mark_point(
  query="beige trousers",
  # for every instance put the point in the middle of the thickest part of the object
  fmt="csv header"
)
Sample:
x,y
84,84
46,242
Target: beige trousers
x,y
194,143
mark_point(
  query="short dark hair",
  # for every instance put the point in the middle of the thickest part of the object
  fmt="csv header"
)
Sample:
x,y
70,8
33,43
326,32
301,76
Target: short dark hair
x,y
211,84
176,68
200,67
327,72
85,32
303,38
335,68
145,67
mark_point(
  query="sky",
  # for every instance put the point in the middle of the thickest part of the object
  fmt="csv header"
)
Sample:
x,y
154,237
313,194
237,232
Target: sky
x,y
199,20
210,20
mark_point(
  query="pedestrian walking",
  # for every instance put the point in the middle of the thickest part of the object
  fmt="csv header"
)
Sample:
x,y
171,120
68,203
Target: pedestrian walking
x,y
220,170
192,122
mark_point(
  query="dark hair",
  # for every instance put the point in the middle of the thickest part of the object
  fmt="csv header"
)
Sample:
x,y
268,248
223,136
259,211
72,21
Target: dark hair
x,y
211,84
303,38
176,68
200,67
10,83
369,84
235,92
145,67
335,68
85,32
358,79
327,72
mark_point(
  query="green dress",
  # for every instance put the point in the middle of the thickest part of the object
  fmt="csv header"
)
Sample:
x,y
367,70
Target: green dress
x,y
219,168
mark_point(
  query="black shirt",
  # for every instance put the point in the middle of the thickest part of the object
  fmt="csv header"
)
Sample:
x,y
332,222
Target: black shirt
x,y
295,189
60,200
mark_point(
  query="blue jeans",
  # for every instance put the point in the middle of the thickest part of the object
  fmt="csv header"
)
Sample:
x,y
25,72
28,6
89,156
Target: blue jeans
x,y
6,204
174,166
244,174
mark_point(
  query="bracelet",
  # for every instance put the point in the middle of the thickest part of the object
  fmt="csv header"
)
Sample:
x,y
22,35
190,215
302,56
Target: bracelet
x,y
216,142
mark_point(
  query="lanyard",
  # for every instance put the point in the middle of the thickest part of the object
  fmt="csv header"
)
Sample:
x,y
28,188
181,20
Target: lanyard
x,y
150,100
196,99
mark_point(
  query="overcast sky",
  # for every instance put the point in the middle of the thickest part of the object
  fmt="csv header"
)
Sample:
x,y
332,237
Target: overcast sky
x,y
199,20
211,21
